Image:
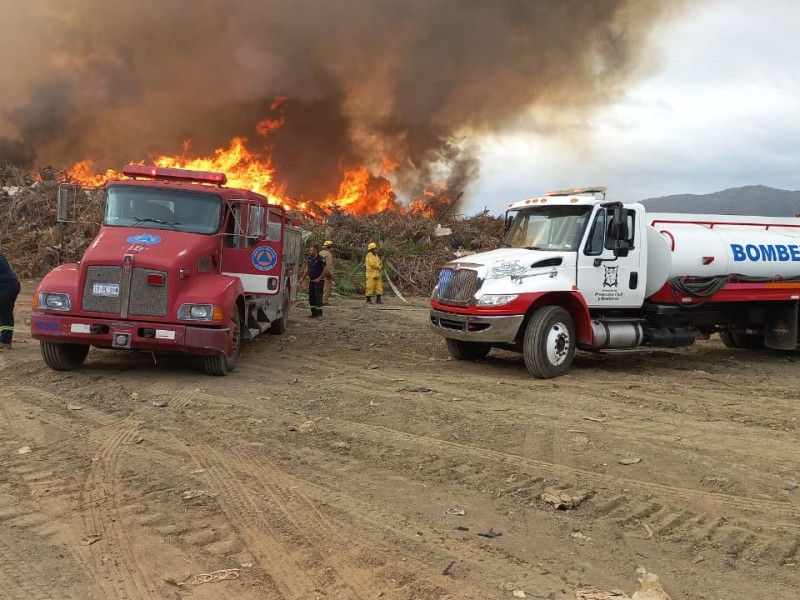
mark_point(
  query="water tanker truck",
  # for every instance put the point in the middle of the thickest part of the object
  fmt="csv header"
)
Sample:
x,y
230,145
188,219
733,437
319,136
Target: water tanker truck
x,y
181,264
578,272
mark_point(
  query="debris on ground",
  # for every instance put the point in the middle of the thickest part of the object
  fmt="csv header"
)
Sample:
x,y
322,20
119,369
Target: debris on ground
x,y
191,494
414,389
305,427
160,403
565,500
632,460
220,575
24,450
74,407
456,512
340,446
90,539
491,534
650,589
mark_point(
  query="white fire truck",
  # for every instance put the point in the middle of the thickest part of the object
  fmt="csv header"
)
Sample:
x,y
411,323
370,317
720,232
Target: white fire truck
x,y
181,264
576,271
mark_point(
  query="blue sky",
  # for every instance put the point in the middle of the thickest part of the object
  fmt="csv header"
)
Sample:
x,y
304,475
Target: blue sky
x,y
717,105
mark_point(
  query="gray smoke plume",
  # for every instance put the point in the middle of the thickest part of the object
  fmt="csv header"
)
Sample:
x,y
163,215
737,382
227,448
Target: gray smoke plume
x,y
415,80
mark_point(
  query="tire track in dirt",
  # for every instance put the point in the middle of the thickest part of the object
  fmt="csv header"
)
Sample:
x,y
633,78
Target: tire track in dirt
x,y
244,509
102,518
19,579
386,531
625,509
305,516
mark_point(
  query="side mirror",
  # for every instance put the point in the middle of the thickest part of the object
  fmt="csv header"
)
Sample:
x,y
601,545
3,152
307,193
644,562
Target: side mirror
x,y
255,222
622,247
67,194
510,216
617,233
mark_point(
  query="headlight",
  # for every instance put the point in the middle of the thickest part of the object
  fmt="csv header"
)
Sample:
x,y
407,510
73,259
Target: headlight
x,y
52,301
497,299
199,312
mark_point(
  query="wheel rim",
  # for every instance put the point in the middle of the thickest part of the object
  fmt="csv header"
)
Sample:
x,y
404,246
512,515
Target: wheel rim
x,y
557,344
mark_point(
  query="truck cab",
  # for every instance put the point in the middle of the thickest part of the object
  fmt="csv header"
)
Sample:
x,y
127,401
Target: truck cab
x,y
571,265
180,264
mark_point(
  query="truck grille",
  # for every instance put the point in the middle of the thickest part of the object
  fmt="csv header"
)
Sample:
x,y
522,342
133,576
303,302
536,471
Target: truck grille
x,y
457,286
145,300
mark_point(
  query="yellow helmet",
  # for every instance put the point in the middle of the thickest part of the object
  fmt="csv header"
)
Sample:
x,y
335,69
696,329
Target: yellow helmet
x,y
372,246
327,243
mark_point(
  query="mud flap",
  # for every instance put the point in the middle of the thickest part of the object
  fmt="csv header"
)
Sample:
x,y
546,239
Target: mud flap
x,y
780,327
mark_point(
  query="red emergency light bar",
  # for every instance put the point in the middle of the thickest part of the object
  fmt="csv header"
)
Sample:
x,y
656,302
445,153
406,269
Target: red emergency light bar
x,y
175,174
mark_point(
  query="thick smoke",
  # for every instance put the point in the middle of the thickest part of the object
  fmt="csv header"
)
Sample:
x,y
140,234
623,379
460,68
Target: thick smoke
x,y
415,80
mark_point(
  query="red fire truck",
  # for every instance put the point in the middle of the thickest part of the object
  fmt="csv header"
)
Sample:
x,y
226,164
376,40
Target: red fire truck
x,y
180,264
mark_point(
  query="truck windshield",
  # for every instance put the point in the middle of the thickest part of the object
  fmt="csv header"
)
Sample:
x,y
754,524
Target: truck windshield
x,y
155,208
547,228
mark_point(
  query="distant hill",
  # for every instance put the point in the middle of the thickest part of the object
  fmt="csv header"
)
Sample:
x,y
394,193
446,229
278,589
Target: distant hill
x,y
748,200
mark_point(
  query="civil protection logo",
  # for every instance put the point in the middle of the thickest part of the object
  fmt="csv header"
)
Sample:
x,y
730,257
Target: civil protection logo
x,y
610,277
144,239
264,258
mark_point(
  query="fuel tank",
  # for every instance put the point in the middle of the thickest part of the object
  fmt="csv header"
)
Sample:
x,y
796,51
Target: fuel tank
x,y
680,245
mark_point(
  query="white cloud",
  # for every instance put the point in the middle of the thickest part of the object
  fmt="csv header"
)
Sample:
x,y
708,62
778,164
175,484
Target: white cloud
x,y
722,112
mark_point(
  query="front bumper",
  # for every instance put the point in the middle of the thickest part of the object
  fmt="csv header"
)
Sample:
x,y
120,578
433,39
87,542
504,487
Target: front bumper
x,y
140,335
474,328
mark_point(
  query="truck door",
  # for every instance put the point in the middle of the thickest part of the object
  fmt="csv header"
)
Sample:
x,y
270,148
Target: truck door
x,y
609,278
252,248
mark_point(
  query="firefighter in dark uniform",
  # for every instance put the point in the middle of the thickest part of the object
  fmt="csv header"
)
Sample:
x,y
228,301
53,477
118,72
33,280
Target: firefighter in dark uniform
x,y
9,290
316,270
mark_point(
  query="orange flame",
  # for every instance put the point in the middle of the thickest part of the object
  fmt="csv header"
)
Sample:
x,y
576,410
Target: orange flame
x,y
360,192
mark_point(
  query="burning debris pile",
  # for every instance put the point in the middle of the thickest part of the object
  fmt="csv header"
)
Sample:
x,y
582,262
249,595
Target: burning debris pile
x,y
413,246
412,242
31,238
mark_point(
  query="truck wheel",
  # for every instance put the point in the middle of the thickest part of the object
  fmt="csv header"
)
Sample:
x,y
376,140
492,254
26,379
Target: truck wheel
x,y
63,357
222,364
549,343
728,339
749,341
280,326
467,350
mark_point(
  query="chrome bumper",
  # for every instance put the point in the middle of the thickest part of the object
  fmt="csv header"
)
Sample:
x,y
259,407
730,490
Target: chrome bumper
x,y
469,328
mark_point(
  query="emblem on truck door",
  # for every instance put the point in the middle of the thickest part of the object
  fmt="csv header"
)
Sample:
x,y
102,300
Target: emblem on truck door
x,y
264,258
610,279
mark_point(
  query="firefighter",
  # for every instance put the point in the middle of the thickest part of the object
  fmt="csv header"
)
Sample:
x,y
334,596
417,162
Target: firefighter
x,y
327,254
315,270
374,278
9,290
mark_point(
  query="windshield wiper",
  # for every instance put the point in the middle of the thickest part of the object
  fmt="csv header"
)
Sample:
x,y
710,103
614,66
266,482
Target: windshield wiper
x,y
535,248
173,224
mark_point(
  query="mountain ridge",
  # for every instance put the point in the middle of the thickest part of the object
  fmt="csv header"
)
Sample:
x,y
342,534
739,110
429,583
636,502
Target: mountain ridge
x,y
757,200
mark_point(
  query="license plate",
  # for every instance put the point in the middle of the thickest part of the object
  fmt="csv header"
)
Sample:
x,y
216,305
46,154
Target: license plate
x,y
109,290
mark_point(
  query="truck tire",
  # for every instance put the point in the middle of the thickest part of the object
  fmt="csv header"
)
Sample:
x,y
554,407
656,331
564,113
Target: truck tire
x,y
728,339
749,341
222,364
732,339
280,326
461,350
549,344
63,357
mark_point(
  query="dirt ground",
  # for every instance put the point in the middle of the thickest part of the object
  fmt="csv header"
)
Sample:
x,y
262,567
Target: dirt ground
x,y
334,462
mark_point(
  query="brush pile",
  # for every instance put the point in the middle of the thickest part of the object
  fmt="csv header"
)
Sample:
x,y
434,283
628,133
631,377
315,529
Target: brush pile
x,y
412,245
